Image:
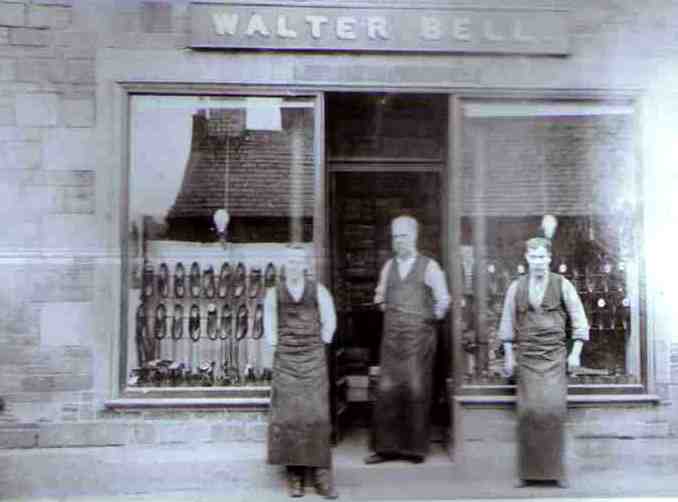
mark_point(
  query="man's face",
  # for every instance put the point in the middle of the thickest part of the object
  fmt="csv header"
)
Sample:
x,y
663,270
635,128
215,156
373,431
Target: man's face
x,y
295,265
538,259
404,238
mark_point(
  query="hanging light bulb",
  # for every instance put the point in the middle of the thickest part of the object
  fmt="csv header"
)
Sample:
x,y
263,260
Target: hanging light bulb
x,y
221,219
549,224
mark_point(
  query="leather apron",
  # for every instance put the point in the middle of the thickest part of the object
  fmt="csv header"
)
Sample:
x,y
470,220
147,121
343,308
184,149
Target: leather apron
x,y
299,427
402,410
542,382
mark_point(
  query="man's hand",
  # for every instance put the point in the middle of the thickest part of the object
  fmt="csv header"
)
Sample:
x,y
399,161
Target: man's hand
x,y
574,359
508,367
509,360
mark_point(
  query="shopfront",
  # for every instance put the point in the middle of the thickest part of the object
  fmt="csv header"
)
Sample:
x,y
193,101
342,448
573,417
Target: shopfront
x,y
255,125
326,150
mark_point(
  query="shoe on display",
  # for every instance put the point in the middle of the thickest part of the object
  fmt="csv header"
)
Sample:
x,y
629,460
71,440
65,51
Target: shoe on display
x,y
179,280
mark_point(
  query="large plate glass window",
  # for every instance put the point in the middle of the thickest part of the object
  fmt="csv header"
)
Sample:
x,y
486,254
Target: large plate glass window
x,y
576,161
218,187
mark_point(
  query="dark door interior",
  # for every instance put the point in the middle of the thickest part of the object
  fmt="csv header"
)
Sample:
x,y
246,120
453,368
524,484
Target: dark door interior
x,y
386,155
364,205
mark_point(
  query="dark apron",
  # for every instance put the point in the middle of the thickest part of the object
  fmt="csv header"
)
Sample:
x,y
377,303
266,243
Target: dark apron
x,y
542,383
401,419
299,427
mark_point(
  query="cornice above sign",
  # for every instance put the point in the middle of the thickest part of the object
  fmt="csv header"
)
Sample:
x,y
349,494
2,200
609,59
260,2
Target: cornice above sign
x,y
383,29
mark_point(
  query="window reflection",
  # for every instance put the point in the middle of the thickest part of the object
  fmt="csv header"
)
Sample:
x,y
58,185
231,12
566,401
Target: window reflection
x,y
218,187
571,160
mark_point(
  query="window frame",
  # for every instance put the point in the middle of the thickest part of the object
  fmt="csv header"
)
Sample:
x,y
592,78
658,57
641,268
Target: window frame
x,y
118,119
240,397
578,393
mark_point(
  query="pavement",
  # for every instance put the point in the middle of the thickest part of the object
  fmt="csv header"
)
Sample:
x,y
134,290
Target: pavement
x,y
238,472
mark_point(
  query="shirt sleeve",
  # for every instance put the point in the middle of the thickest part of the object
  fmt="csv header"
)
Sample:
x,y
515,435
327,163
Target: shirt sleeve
x,y
575,309
506,325
380,291
434,278
328,315
271,316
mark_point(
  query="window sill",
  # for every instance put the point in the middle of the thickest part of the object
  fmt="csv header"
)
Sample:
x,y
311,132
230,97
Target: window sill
x,y
257,398
573,390
573,400
239,403
196,392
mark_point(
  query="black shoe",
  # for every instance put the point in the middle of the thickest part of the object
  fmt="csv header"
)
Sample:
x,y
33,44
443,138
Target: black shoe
x,y
194,284
376,458
224,282
179,278
415,459
324,483
295,484
241,322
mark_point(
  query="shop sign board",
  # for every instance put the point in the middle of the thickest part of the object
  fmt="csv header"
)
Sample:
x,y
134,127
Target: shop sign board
x,y
383,29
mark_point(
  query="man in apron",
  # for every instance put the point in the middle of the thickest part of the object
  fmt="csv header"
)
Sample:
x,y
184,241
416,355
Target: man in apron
x,y
299,320
536,309
412,292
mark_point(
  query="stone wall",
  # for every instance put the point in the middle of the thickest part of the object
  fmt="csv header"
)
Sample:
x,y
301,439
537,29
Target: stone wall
x,y
157,427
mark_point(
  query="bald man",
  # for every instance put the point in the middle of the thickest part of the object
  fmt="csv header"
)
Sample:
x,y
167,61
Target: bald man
x,y
412,293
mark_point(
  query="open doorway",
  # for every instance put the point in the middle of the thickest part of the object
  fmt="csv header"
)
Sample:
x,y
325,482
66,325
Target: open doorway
x,y
386,157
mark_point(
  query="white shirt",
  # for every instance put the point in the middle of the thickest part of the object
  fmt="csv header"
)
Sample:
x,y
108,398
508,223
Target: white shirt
x,y
573,305
434,278
328,316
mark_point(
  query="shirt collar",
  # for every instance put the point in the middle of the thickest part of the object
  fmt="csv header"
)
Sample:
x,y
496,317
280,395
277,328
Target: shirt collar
x,y
408,260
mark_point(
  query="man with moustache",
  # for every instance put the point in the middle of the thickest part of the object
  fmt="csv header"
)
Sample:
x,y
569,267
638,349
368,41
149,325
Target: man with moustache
x,y
412,293
536,309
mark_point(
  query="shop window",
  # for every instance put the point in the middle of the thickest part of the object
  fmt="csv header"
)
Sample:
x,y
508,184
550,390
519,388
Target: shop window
x,y
218,187
572,160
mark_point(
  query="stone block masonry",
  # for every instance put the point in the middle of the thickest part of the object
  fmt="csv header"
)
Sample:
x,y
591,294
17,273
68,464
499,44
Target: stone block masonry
x,y
48,16
7,111
37,110
20,155
12,14
129,428
79,112
34,37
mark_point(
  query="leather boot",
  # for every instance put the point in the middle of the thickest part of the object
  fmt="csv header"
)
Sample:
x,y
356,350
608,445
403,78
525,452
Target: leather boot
x,y
324,483
295,482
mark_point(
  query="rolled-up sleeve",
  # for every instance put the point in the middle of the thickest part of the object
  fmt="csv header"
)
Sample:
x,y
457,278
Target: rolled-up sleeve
x,y
435,279
576,312
271,316
506,325
328,315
